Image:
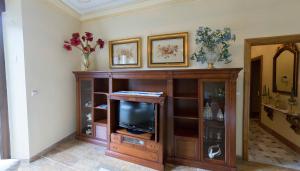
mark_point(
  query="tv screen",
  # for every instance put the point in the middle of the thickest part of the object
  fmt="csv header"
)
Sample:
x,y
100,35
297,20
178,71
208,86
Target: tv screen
x,y
136,116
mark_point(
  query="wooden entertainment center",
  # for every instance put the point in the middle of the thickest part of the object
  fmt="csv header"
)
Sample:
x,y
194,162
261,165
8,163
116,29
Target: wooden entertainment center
x,y
195,118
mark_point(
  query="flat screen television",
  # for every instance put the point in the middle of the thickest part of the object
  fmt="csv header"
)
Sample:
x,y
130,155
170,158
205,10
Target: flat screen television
x,y
137,117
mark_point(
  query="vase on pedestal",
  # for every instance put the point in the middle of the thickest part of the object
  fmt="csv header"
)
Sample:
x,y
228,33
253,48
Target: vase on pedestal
x,y
211,58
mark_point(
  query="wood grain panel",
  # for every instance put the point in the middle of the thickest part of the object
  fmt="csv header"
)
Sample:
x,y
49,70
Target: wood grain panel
x,y
101,132
186,148
134,152
179,138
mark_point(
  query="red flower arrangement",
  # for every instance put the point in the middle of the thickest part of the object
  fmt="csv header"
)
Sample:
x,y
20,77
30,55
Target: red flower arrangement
x,y
83,43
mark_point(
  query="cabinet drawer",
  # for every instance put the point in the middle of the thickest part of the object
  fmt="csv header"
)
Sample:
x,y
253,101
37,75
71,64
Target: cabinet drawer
x,y
115,138
133,152
146,145
101,132
186,148
151,146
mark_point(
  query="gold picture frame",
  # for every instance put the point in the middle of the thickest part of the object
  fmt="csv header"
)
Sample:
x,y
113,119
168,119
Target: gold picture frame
x,y
168,50
129,53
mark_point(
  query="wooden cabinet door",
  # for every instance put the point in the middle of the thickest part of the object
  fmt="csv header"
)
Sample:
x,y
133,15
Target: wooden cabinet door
x,y
214,103
85,107
186,148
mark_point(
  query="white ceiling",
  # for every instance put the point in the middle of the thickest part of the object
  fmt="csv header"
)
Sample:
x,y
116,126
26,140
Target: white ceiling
x,y
89,6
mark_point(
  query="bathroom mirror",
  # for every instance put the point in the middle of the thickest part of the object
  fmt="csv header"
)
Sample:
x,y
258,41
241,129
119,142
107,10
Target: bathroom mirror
x,y
285,69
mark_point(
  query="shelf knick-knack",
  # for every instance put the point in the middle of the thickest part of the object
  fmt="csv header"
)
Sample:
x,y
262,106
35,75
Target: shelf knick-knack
x,y
220,93
88,104
208,112
88,130
214,151
219,136
220,115
89,117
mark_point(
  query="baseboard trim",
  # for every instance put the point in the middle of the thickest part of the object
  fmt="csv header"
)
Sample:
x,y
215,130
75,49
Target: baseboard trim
x,y
280,138
45,151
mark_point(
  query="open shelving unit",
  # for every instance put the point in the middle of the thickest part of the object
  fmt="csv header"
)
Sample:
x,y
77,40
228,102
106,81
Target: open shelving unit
x,y
186,108
195,101
101,90
192,128
93,120
186,118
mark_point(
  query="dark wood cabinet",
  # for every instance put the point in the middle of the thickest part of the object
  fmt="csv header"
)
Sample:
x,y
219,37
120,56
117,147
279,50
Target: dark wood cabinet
x,y
199,125
186,147
92,97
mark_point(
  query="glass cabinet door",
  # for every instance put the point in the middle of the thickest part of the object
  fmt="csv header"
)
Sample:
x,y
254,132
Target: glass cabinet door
x,y
86,107
214,124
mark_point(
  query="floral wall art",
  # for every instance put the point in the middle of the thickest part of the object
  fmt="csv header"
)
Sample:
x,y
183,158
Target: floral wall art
x,y
125,53
168,50
165,51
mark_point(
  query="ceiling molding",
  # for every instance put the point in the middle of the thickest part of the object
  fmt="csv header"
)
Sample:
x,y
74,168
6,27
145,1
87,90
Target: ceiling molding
x,y
65,8
108,12
125,8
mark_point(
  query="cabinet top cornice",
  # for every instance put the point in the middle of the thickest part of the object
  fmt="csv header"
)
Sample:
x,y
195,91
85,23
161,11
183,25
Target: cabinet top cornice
x,y
166,71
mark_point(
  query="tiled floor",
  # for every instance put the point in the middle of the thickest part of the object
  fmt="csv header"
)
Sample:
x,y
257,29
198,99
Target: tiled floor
x,y
75,155
265,148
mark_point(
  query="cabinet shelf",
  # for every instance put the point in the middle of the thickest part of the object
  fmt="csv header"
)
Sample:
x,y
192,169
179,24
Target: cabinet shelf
x,y
185,117
186,108
209,141
101,85
103,93
102,122
186,127
186,88
101,107
96,108
183,132
100,99
186,98
214,123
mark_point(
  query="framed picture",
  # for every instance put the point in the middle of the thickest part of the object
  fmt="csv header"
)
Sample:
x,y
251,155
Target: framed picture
x,y
168,50
125,53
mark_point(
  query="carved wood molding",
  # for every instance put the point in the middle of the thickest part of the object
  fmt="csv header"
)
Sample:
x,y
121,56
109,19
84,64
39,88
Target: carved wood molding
x,y
292,48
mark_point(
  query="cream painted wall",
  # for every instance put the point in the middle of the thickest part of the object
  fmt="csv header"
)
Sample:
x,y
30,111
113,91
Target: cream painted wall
x,y
15,78
279,123
247,19
51,113
37,122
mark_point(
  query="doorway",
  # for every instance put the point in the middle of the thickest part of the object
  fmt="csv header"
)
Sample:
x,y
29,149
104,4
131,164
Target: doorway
x,y
255,88
249,89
